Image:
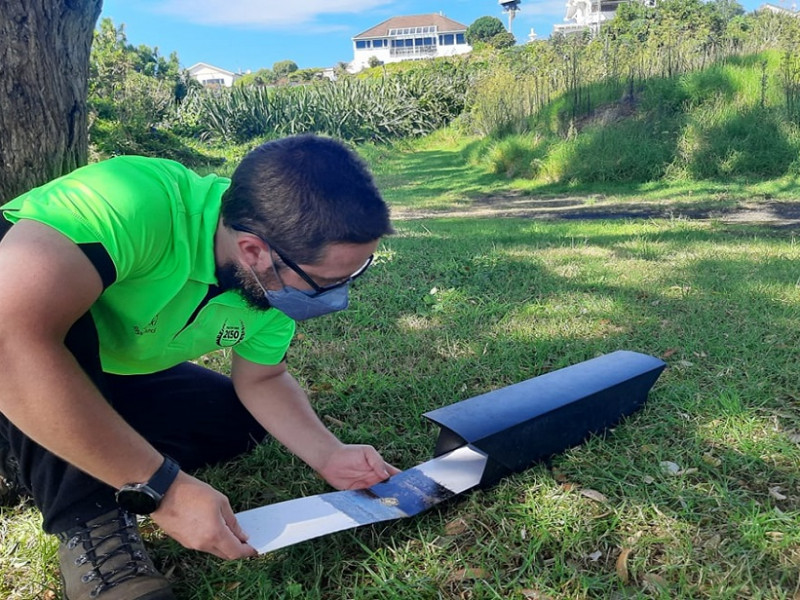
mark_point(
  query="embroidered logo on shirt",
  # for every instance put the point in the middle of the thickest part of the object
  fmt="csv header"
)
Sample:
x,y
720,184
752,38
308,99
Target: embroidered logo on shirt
x,y
230,335
149,328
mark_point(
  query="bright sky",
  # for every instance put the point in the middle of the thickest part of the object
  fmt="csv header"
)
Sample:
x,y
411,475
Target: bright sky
x,y
238,35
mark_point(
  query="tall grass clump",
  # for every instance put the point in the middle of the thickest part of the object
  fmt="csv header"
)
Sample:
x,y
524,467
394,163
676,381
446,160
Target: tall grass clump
x,y
628,150
728,120
516,156
407,104
790,83
735,124
502,102
731,140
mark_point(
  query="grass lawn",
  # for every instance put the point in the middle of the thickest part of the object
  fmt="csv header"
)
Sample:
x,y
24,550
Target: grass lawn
x,y
695,496
439,175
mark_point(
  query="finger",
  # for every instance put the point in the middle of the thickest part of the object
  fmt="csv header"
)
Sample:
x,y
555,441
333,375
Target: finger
x,y
229,552
392,469
229,546
233,542
376,463
363,483
233,524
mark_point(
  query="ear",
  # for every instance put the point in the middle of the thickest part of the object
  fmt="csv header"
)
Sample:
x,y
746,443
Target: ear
x,y
253,252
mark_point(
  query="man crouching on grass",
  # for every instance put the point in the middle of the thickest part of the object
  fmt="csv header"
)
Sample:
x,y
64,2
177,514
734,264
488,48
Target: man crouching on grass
x,y
116,275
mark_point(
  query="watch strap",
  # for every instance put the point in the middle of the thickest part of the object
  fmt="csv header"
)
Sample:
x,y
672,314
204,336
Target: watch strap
x,y
164,476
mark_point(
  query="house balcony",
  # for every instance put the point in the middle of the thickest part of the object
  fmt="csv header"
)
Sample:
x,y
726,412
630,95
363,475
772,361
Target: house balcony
x,y
411,52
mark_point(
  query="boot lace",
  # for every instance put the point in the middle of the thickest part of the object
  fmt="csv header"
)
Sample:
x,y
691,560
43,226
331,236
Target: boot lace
x,y
108,577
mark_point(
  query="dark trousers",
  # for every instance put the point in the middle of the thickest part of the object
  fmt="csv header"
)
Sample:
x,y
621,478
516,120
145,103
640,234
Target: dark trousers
x,y
188,412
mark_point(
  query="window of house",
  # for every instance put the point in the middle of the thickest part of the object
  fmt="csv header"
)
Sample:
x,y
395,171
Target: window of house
x,y
460,38
361,44
447,39
377,43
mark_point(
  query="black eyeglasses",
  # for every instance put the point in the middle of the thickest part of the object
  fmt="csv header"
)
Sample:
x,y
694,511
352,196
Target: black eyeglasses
x,y
318,289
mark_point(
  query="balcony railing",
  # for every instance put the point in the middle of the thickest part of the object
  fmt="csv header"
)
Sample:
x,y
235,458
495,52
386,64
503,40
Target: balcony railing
x,y
415,51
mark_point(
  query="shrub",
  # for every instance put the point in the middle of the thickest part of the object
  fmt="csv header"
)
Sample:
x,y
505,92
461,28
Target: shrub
x,y
515,156
484,29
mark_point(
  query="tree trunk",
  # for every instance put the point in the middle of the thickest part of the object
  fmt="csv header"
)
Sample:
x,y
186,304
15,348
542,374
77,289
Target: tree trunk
x,y
44,69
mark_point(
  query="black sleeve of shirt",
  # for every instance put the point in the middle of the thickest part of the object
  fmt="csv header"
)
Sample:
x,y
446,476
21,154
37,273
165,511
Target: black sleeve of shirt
x,y
98,256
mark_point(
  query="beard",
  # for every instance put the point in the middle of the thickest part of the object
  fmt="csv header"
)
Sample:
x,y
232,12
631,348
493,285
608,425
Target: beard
x,y
234,277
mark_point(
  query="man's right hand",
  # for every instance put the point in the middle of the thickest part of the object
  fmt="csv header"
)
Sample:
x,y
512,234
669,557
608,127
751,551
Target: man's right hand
x,y
199,517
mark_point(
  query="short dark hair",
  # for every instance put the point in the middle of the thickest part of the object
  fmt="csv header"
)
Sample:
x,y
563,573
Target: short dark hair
x,y
303,193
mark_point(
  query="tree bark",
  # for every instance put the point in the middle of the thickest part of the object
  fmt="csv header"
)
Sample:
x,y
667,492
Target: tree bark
x,y
44,70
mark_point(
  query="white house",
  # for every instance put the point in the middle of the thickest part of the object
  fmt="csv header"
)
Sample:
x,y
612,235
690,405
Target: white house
x,y
590,14
780,10
211,76
411,37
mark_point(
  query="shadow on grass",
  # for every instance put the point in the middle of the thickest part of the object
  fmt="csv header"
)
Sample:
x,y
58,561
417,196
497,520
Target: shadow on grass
x,y
433,177
440,182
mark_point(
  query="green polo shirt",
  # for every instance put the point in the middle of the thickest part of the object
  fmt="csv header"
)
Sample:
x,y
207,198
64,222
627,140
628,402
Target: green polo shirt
x,y
155,220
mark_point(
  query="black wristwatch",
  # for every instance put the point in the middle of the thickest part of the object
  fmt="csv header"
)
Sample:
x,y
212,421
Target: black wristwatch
x,y
144,498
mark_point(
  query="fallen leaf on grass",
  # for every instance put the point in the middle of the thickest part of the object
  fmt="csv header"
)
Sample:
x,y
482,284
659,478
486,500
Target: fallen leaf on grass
x,y
654,582
713,542
647,479
669,352
794,437
333,421
669,467
595,556
774,535
594,495
455,527
49,595
712,460
775,492
622,565
534,595
443,541
467,573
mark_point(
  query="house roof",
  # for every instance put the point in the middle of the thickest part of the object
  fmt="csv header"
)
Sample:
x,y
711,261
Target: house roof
x,y
201,65
778,9
441,22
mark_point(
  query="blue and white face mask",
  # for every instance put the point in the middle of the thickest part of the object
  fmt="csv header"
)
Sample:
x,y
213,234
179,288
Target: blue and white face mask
x,y
305,304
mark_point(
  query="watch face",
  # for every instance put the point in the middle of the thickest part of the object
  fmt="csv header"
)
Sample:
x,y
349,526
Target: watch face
x,y
140,501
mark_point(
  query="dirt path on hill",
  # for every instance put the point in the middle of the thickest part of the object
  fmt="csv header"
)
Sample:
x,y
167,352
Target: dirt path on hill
x,y
773,213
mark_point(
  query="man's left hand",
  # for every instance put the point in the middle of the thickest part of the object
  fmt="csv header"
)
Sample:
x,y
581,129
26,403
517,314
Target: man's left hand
x,y
355,466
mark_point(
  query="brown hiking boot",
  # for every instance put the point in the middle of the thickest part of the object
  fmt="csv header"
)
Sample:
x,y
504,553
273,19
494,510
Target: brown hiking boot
x,y
106,559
